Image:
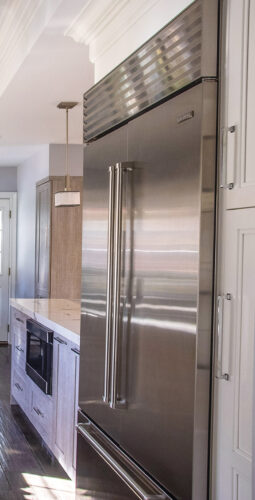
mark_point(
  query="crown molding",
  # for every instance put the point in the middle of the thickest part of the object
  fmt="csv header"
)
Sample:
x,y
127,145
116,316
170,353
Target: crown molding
x,y
21,23
101,24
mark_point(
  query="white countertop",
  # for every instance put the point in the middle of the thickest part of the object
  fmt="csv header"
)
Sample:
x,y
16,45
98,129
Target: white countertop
x,y
61,315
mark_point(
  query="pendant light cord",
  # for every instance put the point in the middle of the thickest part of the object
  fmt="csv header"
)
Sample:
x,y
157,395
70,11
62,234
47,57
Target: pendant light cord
x,y
67,179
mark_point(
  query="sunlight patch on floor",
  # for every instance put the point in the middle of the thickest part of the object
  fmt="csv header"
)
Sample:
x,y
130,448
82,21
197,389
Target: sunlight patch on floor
x,y
47,488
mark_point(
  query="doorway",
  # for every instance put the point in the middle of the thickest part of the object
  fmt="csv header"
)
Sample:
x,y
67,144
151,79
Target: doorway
x,y
7,259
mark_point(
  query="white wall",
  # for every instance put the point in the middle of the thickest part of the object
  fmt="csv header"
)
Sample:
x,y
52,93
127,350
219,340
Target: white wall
x,y
28,173
8,179
57,159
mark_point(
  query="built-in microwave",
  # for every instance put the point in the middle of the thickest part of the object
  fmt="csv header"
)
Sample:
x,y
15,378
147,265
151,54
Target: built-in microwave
x,y
39,355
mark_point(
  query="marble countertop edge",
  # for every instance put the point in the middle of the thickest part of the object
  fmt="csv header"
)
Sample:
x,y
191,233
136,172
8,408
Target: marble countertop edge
x,y
59,324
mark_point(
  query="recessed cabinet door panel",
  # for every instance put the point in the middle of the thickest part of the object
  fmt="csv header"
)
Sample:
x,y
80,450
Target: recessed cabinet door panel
x,y
98,157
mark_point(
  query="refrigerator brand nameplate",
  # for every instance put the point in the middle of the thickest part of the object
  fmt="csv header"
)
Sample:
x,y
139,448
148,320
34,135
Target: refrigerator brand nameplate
x,y
169,62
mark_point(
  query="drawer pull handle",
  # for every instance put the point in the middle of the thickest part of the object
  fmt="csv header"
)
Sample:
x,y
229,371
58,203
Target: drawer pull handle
x,y
18,387
75,350
39,413
19,348
19,320
60,340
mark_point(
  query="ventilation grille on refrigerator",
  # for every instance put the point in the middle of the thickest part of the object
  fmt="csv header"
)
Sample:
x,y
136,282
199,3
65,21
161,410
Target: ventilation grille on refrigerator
x,y
165,64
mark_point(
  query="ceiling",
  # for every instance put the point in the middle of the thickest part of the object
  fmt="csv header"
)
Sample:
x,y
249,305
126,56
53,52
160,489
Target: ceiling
x,y
50,68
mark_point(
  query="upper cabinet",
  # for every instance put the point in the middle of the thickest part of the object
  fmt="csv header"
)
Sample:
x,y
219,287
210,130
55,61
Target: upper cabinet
x,y
237,134
58,242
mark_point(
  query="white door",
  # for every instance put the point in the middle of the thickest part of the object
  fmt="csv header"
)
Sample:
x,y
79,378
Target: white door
x,y
4,267
233,412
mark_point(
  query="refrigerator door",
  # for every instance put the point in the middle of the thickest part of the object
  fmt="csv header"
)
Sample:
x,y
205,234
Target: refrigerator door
x,y
105,472
163,359
96,321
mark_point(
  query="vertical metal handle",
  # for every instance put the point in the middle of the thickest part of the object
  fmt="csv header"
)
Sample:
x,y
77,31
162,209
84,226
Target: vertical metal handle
x,y
222,357
110,242
225,131
120,169
116,286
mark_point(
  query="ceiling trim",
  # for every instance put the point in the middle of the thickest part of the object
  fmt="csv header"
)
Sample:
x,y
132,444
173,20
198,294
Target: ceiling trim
x,y
21,23
101,24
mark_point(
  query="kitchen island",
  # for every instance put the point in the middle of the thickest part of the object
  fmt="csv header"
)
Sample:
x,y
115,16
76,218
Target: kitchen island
x,y
45,336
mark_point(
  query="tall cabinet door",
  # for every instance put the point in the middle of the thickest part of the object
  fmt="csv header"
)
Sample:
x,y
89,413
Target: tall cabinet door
x,y
42,243
94,369
233,412
163,362
239,146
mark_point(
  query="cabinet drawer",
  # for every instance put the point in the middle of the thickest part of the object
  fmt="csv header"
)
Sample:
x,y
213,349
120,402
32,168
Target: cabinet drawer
x,y
19,350
20,389
41,413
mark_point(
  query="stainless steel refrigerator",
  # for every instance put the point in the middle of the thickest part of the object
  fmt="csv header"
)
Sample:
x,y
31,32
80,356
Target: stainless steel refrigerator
x,y
148,239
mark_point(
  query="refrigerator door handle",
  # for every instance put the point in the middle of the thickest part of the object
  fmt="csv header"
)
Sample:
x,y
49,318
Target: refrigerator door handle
x,y
132,476
116,402
110,242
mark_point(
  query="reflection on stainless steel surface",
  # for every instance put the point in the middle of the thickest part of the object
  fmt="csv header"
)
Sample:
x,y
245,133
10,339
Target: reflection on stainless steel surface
x,y
160,412
169,61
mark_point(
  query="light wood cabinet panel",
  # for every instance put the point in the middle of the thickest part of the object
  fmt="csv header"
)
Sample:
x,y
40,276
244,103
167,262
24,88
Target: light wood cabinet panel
x,y
66,245
58,242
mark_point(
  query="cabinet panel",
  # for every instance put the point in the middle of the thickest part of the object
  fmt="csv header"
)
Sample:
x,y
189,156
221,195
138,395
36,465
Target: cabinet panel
x,y
239,147
74,386
66,245
61,377
43,219
234,397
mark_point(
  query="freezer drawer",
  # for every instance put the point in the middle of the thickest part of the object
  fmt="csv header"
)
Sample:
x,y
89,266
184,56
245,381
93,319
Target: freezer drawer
x,y
105,472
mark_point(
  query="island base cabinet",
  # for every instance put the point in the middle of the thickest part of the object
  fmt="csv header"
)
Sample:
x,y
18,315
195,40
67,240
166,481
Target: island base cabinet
x,y
53,416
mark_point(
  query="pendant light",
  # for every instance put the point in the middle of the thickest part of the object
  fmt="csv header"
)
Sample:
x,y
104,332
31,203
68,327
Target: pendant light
x,y
67,198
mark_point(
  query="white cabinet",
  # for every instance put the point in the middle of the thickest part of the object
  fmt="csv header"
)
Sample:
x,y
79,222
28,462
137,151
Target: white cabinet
x,y
74,397
65,390
53,416
239,97
233,413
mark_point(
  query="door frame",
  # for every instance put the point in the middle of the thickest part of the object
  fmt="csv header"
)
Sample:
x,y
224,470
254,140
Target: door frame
x,y
12,197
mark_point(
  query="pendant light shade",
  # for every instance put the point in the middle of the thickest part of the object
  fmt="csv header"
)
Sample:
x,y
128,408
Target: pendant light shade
x,y
67,198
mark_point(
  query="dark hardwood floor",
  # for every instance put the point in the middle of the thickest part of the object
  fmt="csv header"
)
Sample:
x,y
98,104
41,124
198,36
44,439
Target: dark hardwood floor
x,y
27,470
